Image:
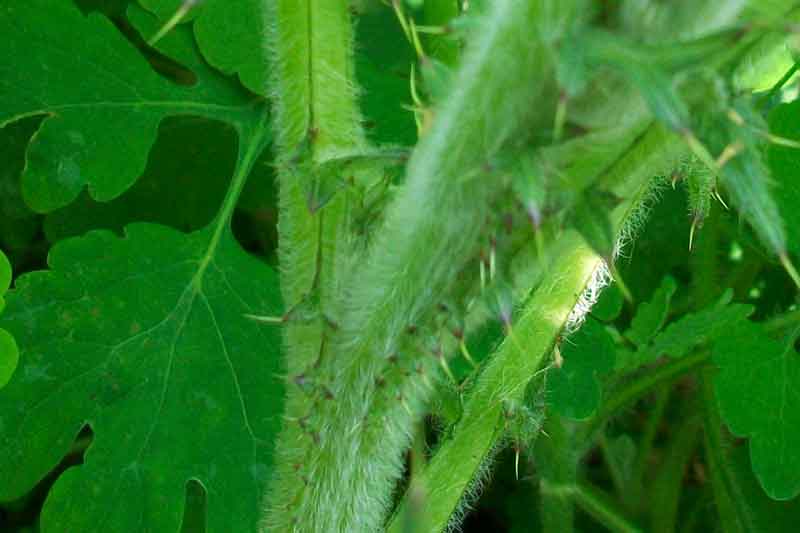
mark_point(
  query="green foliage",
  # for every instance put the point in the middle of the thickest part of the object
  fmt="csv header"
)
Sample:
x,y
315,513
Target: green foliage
x,y
784,120
141,338
228,35
770,373
650,316
93,137
323,265
573,388
694,329
8,347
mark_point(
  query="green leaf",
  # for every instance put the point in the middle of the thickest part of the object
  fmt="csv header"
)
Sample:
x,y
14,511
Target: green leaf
x,y
650,316
383,58
14,138
609,305
758,389
102,102
640,68
573,389
143,339
9,353
187,174
768,514
18,224
784,165
229,34
695,329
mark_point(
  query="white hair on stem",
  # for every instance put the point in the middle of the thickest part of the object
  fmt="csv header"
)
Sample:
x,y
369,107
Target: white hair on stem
x,y
600,278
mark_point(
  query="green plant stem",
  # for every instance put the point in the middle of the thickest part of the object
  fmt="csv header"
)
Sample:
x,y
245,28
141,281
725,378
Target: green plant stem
x,y
666,487
629,392
315,119
432,229
733,507
634,493
557,470
463,457
617,477
600,506
460,461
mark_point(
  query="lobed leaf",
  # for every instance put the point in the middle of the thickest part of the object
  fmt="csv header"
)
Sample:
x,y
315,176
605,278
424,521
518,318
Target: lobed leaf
x,y
650,316
143,339
758,390
229,34
101,100
693,330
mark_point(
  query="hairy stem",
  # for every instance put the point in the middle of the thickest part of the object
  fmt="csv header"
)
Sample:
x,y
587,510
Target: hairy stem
x,y
452,470
315,119
557,470
353,456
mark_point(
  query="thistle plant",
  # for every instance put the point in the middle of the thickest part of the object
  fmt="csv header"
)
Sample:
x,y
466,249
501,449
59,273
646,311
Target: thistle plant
x,y
423,297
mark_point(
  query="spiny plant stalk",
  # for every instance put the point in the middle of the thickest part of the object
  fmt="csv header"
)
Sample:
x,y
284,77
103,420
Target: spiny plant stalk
x,y
316,119
461,460
353,456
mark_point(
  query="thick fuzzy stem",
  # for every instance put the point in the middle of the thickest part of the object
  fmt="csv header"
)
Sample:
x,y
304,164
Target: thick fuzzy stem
x,y
315,119
453,468
432,230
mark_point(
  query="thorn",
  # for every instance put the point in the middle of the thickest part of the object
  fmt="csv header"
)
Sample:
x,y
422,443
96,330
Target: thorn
x,y
492,259
275,320
176,18
516,462
414,95
675,178
623,288
789,267
416,42
402,401
716,194
465,352
691,233
558,359
560,117
446,367
482,273
434,30
730,151
780,141
735,117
